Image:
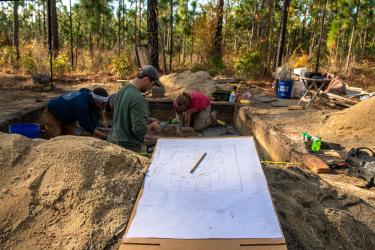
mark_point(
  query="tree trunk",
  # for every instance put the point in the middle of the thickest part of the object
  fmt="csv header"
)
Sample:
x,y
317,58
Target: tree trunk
x,y
44,22
271,36
192,34
265,20
322,28
153,42
294,41
352,37
345,41
303,29
163,51
365,35
119,18
123,24
186,27
253,25
337,46
54,26
136,23
262,24
78,38
316,21
140,21
50,48
288,41
91,46
179,49
185,45
71,35
218,50
103,32
283,26
16,26
171,36
192,47
38,21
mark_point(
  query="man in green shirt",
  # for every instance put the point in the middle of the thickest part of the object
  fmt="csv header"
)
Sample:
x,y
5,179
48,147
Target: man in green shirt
x,y
130,118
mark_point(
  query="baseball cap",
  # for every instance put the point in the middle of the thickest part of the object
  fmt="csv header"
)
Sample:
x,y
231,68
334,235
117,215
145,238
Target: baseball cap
x,y
151,71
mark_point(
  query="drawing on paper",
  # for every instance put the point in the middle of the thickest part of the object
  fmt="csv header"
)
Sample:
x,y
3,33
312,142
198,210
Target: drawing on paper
x,y
211,175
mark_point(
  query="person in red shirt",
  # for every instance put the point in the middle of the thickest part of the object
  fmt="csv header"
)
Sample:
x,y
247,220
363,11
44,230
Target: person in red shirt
x,y
194,106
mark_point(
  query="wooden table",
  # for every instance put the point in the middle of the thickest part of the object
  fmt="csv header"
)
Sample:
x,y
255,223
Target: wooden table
x,y
312,84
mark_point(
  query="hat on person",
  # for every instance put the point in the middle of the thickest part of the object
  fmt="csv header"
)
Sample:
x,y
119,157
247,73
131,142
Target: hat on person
x,y
150,71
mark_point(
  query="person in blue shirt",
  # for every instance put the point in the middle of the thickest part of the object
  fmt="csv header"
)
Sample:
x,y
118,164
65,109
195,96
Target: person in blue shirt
x,y
84,106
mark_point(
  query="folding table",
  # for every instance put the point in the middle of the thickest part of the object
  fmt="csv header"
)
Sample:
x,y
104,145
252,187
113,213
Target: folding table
x,y
312,84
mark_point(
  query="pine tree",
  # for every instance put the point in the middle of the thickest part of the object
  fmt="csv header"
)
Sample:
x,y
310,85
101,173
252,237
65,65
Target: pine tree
x,y
153,33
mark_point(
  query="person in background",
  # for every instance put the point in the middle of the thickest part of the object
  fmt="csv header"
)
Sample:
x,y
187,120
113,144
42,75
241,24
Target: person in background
x,y
194,106
131,120
84,106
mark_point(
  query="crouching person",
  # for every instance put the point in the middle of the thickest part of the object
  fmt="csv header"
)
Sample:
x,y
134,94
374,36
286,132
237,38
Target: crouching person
x,y
195,107
131,120
84,106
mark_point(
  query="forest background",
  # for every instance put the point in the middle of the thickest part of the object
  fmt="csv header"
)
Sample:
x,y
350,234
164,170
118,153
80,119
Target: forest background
x,y
241,38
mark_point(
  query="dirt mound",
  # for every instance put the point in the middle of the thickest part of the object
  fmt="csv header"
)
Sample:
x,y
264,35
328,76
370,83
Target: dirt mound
x,y
70,192
317,215
176,83
357,121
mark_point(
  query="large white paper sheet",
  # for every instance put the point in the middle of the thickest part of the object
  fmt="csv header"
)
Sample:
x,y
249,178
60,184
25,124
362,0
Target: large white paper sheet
x,y
226,196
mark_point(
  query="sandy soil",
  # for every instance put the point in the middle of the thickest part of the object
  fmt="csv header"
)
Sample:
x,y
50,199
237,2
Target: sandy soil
x,y
176,83
19,96
69,192
322,212
16,103
75,192
355,123
352,127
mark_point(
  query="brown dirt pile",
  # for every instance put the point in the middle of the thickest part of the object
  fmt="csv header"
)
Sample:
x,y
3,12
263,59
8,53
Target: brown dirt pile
x,y
176,83
357,122
68,192
317,214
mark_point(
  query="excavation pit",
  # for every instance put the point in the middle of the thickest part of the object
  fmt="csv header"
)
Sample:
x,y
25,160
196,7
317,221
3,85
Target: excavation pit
x,y
315,211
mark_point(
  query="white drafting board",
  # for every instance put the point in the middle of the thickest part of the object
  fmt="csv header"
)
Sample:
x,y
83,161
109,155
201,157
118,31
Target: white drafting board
x,y
226,196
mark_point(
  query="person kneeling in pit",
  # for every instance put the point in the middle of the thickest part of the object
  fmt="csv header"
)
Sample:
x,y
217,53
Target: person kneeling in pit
x,y
131,120
194,106
84,106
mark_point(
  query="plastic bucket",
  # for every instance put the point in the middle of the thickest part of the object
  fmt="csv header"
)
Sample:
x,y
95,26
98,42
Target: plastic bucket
x,y
284,89
31,130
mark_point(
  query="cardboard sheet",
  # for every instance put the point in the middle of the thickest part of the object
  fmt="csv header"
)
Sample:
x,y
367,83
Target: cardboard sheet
x,y
225,198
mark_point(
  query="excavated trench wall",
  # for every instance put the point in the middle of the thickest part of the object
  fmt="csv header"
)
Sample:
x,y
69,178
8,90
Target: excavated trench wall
x,y
271,142
31,116
162,109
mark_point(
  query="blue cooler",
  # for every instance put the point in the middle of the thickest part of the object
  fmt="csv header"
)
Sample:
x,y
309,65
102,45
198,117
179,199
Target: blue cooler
x,y
31,130
284,89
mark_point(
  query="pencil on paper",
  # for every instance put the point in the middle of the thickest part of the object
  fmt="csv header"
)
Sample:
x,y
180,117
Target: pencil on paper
x,y
198,162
